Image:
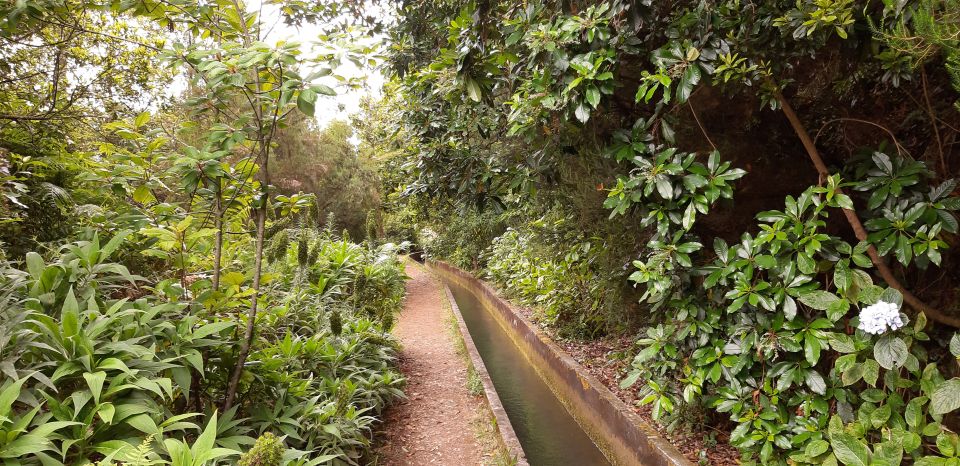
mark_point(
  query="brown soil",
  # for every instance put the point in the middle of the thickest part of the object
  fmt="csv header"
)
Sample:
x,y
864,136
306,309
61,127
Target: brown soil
x,y
436,424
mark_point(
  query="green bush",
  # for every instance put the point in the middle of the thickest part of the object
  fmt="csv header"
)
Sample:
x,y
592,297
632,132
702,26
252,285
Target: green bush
x,y
562,285
780,331
91,373
563,266
461,237
758,334
325,271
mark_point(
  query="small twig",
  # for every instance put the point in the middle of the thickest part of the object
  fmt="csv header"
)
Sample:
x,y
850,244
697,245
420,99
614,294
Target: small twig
x,y
933,121
900,149
941,120
702,130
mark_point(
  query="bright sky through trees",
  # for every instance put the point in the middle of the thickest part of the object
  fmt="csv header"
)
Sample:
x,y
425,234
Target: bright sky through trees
x,y
347,101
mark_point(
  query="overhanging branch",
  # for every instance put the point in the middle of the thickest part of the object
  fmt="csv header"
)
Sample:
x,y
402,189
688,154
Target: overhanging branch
x,y
854,220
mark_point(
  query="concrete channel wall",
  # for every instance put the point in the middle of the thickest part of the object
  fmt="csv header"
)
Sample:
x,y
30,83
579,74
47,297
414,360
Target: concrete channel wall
x,y
624,437
508,437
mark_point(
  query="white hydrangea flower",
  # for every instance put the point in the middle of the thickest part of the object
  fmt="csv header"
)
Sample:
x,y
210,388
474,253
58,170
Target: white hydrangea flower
x,y
876,318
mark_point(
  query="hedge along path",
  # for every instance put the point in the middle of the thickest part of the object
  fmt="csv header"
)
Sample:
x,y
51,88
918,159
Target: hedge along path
x,y
436,423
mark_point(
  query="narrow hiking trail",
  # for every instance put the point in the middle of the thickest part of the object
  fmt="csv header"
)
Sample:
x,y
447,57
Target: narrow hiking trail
x,y
437,423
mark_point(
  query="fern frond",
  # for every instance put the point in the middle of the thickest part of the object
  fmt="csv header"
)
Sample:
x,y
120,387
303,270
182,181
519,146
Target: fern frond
x,y
54,194
953,68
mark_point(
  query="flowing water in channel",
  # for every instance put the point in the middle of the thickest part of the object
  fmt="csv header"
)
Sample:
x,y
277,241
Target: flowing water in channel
x,y
547,432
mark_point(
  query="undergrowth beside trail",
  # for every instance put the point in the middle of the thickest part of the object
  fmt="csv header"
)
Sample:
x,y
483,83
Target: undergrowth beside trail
x,y
101,367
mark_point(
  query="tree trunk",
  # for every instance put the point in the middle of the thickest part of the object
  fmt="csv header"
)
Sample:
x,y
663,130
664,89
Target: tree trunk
x,y
217,245
183,265
248,333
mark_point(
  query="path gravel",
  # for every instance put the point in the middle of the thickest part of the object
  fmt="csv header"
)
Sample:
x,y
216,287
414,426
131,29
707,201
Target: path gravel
x,y
435,425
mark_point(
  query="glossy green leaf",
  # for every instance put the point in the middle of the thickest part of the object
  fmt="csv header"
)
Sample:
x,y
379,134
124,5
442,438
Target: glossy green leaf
x,y
849,450
946,398
818,299
95,383
890,352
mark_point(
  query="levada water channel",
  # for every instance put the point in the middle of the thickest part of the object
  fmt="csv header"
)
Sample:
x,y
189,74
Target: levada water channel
x,y
548,434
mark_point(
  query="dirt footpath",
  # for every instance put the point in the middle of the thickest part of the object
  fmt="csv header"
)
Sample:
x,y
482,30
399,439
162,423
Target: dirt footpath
x,y
437,423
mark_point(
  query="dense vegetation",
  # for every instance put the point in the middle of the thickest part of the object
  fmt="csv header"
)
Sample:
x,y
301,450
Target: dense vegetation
x,y
326,163
773,178
95,373
764,191
160,301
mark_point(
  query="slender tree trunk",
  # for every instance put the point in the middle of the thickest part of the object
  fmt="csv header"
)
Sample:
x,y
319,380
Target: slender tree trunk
x,y
261,219
264,139
854,220
195,390
217,245
217,253
248,333
183,266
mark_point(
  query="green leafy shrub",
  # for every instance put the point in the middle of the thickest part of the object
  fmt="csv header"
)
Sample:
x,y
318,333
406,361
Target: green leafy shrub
x,y
755,285
92,374
568,270
568,291
207,350
768,332
39,203
463,238
326,271
907,212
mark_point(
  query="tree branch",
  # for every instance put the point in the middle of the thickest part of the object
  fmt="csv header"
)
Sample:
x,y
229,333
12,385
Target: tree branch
x,y
858,230
900,149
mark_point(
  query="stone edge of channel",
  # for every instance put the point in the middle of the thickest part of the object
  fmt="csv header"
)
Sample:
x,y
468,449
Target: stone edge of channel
x,y
623,435
508,437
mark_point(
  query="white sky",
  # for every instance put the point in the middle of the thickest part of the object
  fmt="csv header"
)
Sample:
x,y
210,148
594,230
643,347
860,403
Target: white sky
x,y
347,101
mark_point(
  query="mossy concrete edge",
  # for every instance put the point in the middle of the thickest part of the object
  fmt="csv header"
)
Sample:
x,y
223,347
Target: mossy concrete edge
x,y
623,436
